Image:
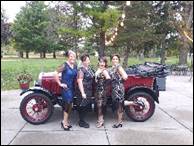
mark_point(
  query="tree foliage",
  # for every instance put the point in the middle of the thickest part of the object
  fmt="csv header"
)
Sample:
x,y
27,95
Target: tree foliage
x,y
149,27
29,28
5,28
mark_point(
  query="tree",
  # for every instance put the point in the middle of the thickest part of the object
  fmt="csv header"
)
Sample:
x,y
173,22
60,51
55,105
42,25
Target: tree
x,y
184,26
90,21
51,31
29,28
103,17
5,28
164,29
137,30
69,29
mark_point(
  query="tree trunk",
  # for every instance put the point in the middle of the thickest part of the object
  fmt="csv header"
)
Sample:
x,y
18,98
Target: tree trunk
x,y
188,18
21,54
54,55
162,55
102,44
183,51
40,54
102,33
126,56
183,56
27,54
44,54
141,55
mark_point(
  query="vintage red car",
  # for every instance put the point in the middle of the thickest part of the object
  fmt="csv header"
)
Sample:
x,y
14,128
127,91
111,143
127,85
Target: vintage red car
x,y
38,102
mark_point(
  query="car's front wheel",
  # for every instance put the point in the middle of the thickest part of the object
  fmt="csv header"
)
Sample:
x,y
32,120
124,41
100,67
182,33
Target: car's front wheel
x,y
36,108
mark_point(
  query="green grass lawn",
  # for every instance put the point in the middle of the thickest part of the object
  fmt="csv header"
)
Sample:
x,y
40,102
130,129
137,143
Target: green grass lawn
x,y
170,60
10,68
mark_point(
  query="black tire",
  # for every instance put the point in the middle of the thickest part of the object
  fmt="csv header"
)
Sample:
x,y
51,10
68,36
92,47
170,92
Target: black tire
x,y
146,112
41,103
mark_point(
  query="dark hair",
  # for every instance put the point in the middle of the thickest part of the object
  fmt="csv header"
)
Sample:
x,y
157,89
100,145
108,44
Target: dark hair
x,y
66,53
104,60
84,57
116,56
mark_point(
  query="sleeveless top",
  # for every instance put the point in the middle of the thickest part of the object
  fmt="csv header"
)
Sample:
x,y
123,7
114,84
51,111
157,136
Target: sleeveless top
x,y
115,76
100,82
69,75
118,91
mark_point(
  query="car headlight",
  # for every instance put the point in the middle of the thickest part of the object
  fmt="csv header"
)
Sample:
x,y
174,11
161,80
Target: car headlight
x,y
39,81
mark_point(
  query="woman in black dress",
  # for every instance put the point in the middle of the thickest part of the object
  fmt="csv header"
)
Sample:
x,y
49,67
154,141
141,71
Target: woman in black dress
x,y
85,79
118,75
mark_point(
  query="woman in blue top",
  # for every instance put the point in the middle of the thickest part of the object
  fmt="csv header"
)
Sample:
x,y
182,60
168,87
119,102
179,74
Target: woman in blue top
x,y
69,73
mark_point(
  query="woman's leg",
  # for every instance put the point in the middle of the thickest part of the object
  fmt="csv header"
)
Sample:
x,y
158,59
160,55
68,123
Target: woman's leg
x,y
100,114
65,120
67,109
100,111
82,113
120,113
100,121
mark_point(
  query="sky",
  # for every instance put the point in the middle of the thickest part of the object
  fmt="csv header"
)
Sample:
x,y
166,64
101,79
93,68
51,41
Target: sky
x,y
12,8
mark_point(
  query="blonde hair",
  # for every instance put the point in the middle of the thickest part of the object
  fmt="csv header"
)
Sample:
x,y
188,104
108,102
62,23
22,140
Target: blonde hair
x,y
69,52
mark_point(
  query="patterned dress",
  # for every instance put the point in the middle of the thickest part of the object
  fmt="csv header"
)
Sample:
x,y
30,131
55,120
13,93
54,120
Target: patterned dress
x,y
118,91
100,89
88,81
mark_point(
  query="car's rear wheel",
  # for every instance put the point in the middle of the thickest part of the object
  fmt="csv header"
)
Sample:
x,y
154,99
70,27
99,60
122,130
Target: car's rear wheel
x,y
144,108
36,108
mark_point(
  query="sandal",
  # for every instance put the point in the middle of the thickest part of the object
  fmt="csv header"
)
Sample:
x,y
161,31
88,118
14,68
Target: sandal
x,y
100,124
65,128
120,124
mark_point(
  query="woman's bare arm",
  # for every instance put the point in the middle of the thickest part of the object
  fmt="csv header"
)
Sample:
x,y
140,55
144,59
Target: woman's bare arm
x,y
106,74
122,73
80,83
59,70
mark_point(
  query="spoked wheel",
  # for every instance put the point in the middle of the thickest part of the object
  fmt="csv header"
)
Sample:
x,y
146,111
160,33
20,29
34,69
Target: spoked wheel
x,y
36,108
143,108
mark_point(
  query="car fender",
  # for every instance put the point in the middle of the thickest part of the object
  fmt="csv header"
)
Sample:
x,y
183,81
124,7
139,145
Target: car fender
x,y
153,93
39,90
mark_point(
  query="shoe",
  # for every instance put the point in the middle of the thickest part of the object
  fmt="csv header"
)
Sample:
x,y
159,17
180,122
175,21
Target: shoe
x,y
100,124
64,128
117,125
83,124
69,126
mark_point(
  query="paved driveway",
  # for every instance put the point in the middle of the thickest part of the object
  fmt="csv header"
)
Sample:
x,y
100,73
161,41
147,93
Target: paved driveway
x,y
172,122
